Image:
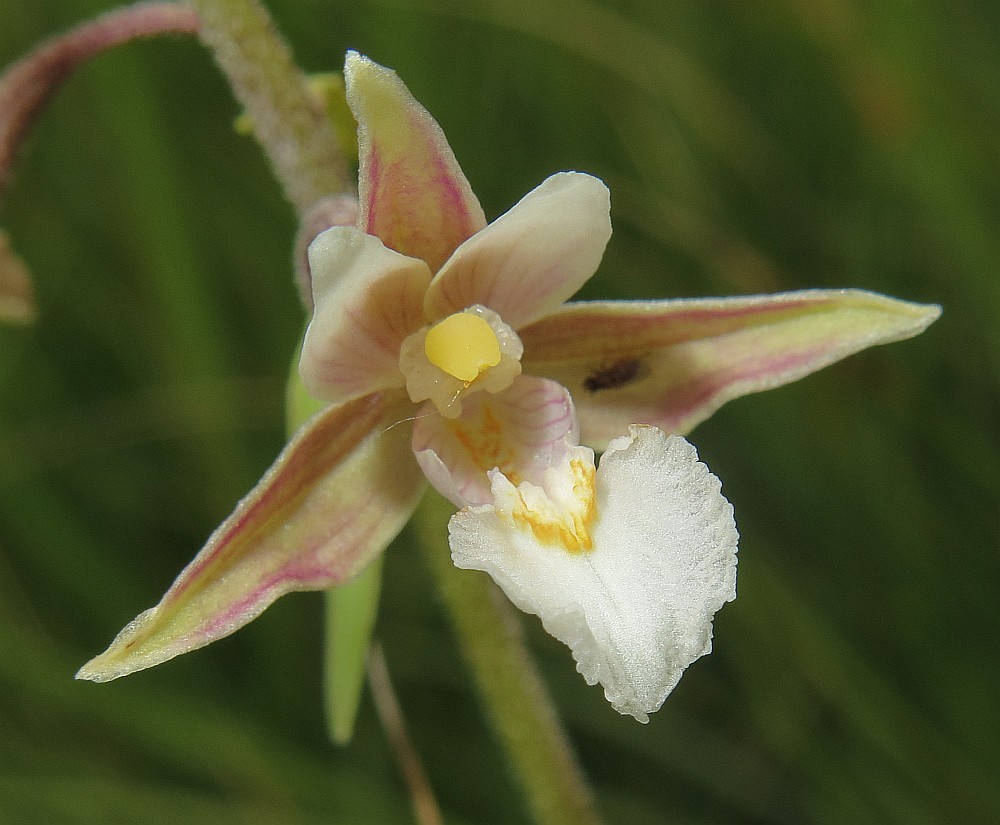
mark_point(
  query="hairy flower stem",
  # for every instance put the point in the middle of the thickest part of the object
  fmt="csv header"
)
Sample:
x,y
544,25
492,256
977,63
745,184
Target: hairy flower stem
x,y
509,685
286,118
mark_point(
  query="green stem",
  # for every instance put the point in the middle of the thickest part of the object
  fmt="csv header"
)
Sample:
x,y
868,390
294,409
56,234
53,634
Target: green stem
x,y
287,119
509,685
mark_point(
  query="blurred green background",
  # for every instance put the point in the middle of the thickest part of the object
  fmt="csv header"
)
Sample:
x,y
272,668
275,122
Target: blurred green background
x,y
750,147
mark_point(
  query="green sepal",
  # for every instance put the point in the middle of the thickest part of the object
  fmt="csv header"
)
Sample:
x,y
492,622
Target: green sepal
x,y
350,609
300,406
350,618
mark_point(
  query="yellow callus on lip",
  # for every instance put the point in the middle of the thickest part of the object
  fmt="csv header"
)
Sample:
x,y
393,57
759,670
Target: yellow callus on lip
x,y
563,521
462,345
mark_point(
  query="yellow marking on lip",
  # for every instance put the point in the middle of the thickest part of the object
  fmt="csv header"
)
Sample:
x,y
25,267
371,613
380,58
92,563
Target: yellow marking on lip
x,y
485,443
565,526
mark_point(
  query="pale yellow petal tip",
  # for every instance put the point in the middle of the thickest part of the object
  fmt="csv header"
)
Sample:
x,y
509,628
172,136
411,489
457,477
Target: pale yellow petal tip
x,y
115,662
928,314
95,671
354,62
379,100
130,652
912,318
105,667
361,70
17,294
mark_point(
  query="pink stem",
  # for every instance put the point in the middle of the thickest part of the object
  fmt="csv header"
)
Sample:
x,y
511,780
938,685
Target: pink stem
x,y
28,84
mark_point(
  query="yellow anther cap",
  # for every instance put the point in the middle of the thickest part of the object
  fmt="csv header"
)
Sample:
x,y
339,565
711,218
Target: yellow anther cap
x,y
462,345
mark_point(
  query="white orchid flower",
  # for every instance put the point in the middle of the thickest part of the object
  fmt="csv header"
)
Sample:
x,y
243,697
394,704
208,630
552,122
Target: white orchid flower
x,y
447,352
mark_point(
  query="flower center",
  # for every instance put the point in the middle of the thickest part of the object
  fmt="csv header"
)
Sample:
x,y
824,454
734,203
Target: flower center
x,y
462,345
467,352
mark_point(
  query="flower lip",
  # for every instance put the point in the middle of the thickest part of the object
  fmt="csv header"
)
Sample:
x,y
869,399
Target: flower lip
x,y
636,607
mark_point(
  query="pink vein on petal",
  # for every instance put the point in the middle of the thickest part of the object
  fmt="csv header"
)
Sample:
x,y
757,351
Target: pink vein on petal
x,y
567,332
453,197
291,480
302,573
695,394
373,169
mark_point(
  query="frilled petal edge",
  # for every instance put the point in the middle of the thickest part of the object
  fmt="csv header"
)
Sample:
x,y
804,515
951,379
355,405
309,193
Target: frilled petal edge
x,y
333,500
673,363
636,607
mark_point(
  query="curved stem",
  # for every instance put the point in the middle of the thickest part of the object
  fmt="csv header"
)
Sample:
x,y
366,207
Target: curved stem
x,y
27,85
511,689
286,118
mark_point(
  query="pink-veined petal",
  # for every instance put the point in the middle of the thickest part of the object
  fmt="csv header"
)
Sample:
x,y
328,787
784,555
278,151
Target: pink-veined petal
x,y
521,431
414,196
337,495
530,260
367,299
673,363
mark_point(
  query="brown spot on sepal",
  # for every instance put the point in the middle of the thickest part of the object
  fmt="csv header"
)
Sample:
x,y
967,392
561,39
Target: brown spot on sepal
x,y
615,375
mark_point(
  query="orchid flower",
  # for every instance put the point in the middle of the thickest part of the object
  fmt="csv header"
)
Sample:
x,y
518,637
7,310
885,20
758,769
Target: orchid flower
x,y
446,352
